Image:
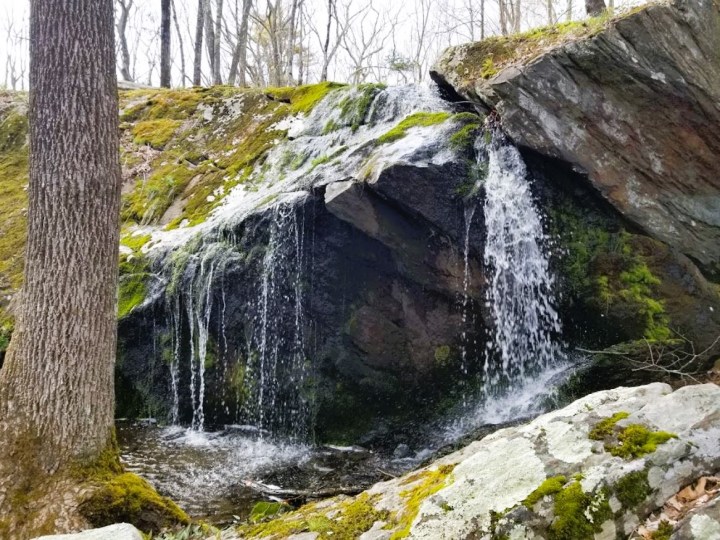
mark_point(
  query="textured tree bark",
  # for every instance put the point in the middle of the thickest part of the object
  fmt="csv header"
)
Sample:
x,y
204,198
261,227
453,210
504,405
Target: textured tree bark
x,y
595,7
165,43
56,385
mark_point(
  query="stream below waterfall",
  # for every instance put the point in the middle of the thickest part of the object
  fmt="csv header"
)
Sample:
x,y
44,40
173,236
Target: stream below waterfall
x,y
523,362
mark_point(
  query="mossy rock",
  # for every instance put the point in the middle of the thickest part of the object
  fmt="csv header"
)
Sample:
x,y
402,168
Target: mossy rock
x,y
130,499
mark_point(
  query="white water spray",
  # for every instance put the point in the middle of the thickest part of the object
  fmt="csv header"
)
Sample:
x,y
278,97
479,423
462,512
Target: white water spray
x,y
520,296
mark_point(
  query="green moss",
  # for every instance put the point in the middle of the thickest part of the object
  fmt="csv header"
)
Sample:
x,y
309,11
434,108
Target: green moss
x,y
664,531
609,272
302,99
350,519
550,486
636,440
355,108
418,119
155,133
442,354
265,510
135,241
484,59
639,283
488,68
632,489
605,427
578,514
152,196
133,289
130,499
465,136
432,482
13,194
176,104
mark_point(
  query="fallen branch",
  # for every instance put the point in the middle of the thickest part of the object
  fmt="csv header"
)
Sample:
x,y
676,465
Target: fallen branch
x,y
292,494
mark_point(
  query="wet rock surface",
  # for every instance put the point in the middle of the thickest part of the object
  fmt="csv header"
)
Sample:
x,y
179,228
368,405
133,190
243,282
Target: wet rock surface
x,y
578,472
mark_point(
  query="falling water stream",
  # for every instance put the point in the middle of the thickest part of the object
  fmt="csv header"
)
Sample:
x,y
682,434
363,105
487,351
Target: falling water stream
x,y
522,357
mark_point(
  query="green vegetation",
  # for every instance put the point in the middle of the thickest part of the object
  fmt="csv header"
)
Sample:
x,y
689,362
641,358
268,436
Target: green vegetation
x,y
132,292
157,104
578,514
639,282
632,489
636,440
605,427
432,482
418,119
630,442
354,109
130,499
193,531
465,136
664,531
610,272
302,99
350,519
550,486
156,133
13,194
264,511
442,354
134,273
484,59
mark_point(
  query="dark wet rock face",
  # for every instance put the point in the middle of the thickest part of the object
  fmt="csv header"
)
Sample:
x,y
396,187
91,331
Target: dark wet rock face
x,y
633,105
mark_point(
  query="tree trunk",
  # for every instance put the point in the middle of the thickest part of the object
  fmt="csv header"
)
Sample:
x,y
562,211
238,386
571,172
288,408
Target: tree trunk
x,y
326,45
210,37
292,32
165,43
595,7
125,8
197,64
238,66
217,67
183,73
56,386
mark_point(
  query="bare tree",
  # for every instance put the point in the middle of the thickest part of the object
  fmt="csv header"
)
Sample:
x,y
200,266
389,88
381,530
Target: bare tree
x,y
199,29
125,7
331,37
165,77
238,63
216,61
181,48
365,41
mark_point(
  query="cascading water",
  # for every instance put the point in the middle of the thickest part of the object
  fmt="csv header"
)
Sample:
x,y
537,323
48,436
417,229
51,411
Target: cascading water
x,y
277,364
520,295
523,353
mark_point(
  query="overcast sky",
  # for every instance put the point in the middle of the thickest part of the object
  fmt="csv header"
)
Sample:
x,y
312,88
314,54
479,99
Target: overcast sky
x,y
449,24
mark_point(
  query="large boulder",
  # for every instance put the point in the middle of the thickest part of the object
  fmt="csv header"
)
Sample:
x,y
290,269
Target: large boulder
x,y
595,469
632,102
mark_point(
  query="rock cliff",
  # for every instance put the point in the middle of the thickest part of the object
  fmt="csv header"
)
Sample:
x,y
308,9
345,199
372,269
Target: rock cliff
x,y
631,102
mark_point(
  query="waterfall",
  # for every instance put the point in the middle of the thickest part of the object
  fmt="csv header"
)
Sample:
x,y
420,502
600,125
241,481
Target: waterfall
x,y
277,365
520,296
